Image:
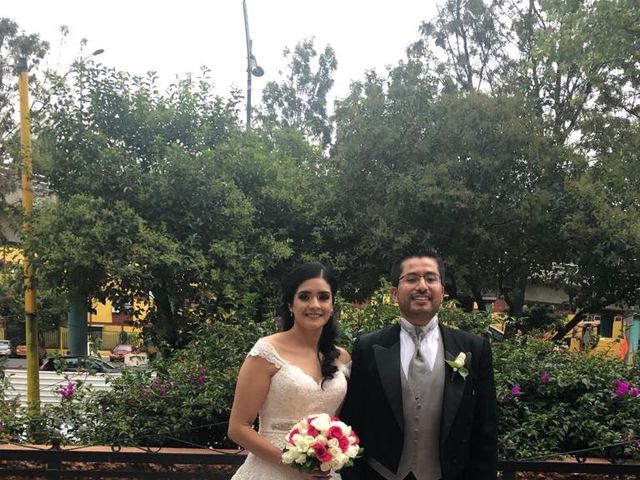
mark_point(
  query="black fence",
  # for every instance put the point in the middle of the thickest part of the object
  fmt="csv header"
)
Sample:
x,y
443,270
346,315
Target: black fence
x,y
131,463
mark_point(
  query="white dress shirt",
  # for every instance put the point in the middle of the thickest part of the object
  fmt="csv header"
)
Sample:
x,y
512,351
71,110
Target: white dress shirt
x,y
428,345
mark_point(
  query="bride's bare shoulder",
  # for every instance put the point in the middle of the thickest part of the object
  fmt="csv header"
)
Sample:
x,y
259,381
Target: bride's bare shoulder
x,y
274,339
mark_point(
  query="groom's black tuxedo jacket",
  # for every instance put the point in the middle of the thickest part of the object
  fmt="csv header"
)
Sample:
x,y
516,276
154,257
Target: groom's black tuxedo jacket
x,y
373,406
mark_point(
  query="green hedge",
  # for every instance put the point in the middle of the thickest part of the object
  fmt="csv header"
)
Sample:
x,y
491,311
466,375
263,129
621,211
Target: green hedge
x,y
550,401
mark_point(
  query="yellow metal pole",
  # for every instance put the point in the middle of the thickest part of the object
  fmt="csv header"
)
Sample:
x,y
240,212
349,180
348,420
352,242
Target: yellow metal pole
x,y
31,323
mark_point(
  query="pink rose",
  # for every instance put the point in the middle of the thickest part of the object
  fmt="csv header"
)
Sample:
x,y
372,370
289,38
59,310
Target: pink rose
x,y
311,430
293,432
335,432
343,443
322,453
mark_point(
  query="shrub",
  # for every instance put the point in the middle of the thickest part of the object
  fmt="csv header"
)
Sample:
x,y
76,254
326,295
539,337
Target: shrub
x,y
563,401
185,401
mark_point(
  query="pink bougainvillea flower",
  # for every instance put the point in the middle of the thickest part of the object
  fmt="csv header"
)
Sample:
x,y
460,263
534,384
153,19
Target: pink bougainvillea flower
x,y
544,377
634,392
67,391
621,388
515,390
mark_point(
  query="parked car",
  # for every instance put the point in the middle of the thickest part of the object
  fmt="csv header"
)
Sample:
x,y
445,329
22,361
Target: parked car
x,y
5,348
119,351
77,363
21,351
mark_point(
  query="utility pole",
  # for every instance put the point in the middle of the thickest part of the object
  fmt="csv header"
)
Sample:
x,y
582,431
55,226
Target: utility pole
x,y
253,69
31,321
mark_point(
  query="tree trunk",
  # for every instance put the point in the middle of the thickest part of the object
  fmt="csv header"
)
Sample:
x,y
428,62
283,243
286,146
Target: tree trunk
x,y
562,331
515,297
78,328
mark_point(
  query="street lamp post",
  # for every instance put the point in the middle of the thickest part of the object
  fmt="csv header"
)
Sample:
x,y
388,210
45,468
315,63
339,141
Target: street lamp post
x,y
31,322
253,69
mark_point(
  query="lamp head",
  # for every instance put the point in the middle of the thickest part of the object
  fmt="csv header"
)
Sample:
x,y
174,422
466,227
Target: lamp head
x,y
256,70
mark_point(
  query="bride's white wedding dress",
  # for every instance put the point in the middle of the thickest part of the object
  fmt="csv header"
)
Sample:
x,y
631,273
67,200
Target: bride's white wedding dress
x,y
293,394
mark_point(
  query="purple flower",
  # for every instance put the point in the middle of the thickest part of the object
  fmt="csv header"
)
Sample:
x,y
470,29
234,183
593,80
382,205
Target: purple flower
x,y
67,391
544,377
621,387
162,386
200,381
634,392
515,390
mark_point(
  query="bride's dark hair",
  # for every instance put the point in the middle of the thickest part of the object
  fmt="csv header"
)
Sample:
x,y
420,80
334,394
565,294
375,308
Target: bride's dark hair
x,y
327,342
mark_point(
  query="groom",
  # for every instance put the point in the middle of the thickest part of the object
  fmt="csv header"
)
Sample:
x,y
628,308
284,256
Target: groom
x,y
421,395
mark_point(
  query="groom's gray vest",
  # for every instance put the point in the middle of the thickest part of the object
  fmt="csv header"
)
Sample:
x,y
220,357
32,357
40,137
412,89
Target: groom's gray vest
x,y
422,411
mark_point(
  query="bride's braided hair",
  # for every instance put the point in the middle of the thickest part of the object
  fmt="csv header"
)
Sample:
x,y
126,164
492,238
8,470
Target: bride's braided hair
x,y
327,343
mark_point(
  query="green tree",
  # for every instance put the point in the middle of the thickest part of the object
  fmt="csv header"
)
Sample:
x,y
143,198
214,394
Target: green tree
x,y
15,44
603,228
173,203
471,174
473,38
300,100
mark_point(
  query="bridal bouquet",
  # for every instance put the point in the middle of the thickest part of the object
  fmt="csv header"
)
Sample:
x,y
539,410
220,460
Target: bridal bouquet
x,y
321,441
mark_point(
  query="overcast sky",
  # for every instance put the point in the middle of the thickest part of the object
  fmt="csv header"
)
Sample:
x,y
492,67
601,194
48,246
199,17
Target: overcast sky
x,y
180,36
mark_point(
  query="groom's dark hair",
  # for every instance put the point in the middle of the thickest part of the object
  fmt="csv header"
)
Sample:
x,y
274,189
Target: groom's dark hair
x,y
429,252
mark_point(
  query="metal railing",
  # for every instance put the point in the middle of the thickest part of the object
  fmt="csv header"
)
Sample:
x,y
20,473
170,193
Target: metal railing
x,y
55,463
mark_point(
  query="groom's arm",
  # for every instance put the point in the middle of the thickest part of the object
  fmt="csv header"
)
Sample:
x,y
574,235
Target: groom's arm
x,y
484,434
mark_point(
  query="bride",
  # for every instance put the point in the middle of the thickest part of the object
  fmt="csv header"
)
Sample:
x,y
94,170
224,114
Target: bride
x,y
289,375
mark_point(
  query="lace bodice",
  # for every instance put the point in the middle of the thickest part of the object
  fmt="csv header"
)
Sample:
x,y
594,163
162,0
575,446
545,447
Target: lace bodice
x,y
293,394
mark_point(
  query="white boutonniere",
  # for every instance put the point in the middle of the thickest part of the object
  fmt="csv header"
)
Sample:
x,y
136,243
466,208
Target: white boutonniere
x,y
458,365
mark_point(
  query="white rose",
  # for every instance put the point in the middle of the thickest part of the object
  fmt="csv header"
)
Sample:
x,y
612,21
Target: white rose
x,y
302,458
289,456
352,451
333,443
460,359
322,422
321,439
325,467
336,463
303,443
335,451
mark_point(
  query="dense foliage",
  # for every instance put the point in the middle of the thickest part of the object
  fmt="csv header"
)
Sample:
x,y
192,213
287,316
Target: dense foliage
x,y
550,401
507,138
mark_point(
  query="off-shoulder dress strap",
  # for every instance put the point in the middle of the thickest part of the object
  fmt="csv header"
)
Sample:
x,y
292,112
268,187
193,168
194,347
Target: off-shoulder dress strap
x,y
264,349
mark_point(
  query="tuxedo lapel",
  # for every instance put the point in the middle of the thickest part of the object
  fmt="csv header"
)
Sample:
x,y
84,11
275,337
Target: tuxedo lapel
x,y
387,355
454,384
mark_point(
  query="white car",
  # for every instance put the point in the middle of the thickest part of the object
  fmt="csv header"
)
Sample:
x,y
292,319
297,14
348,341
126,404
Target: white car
x,y
5,348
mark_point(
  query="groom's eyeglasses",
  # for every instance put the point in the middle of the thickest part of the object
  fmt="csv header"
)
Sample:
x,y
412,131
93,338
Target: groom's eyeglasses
x,y
412,279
